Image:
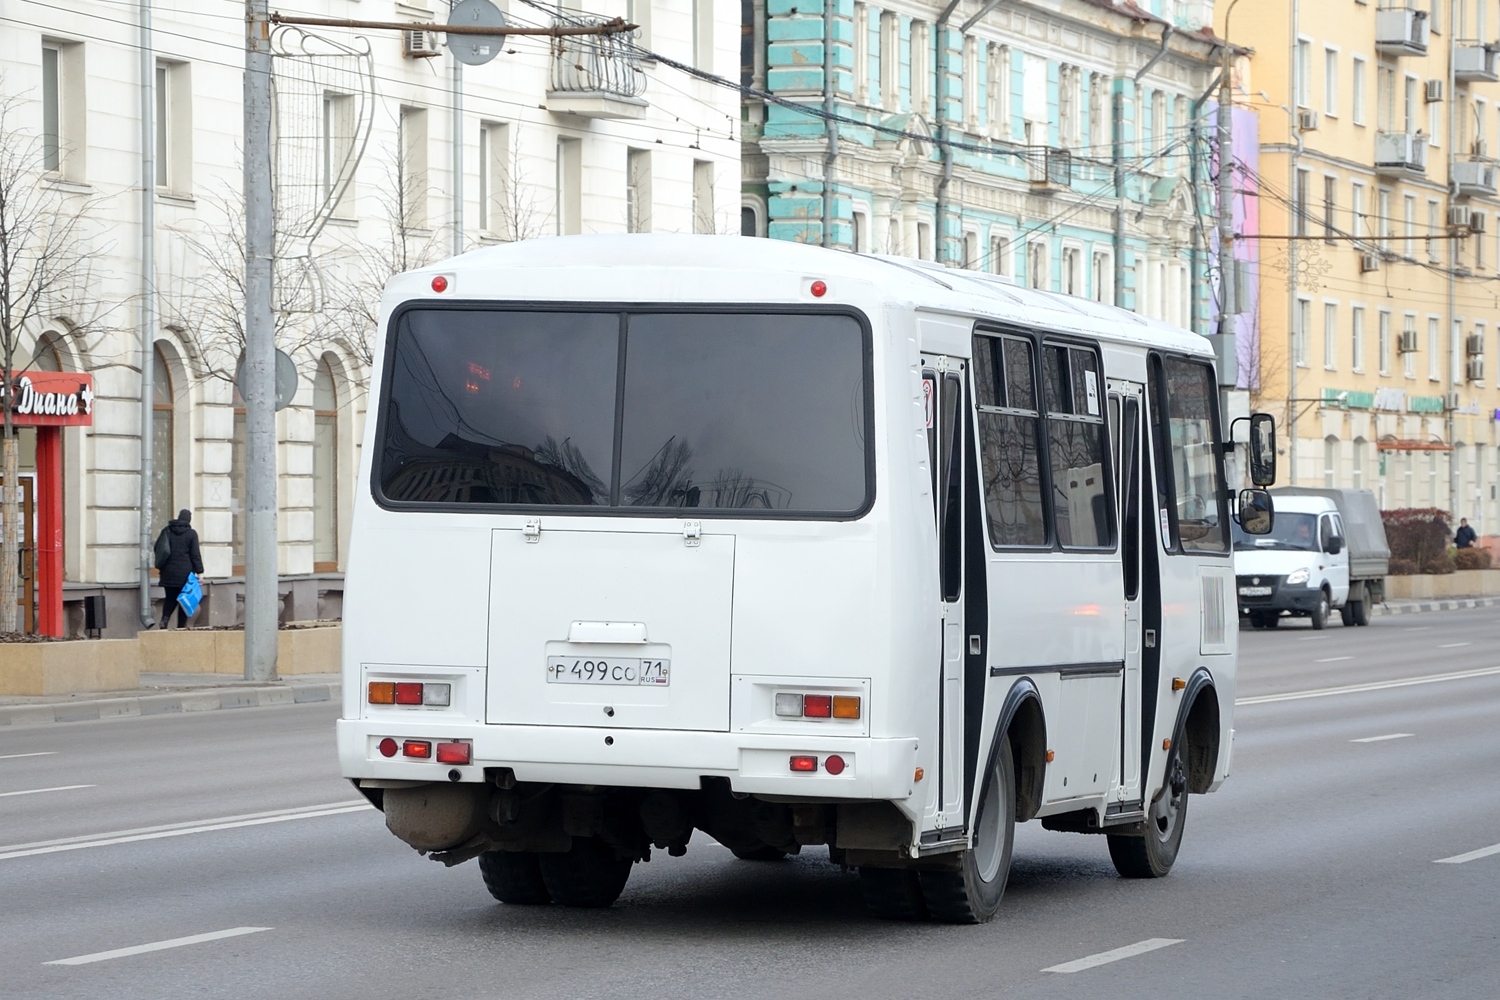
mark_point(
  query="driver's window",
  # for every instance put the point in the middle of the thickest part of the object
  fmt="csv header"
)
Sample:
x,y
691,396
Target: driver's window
x,y
1196,507
1325,532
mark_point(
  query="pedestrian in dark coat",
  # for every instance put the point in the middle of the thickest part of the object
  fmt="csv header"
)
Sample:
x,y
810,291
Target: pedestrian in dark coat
x,y
179,542
1465,536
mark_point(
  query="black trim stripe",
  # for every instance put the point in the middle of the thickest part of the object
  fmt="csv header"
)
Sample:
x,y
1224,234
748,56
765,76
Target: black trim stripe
x,y
1107,668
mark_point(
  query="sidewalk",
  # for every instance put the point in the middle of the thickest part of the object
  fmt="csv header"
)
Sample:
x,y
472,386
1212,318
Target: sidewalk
x,y
168,694
1445,604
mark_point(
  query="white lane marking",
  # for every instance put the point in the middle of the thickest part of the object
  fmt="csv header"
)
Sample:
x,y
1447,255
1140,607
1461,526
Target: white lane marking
x,y
1459,859
141,949
38,791
1418,628
1454,645
1310,638
13,756
1105,957
1461,675
178,829
1333,659
1382,739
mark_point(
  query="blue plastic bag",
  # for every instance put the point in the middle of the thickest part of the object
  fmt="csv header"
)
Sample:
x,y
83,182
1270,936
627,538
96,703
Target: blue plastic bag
x,y
191,596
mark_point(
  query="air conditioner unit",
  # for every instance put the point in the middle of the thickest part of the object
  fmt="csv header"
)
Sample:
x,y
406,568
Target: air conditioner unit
x,y
1307,121
1474,370
1369,262
1406,343
1434,91
1477,222
419,44
1479,147
1474,344
1458,215
1451,401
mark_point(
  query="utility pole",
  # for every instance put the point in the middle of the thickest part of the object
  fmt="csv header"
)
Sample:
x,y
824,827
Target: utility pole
x,y
262,590
148,310
1228,293
831,129
458,155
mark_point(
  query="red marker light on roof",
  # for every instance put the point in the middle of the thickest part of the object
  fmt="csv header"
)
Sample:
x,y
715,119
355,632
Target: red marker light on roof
x,y
440,284
819,289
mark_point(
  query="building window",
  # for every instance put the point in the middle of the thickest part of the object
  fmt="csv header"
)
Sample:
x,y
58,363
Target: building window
x,y
336,164
1072,276
1384,346
1357,330
325,470
1299,333
924,241
51,107
1409,221
638,12
1434,364
1455,353
999,95
412,169
1357,92
1409,357
890,61
1000,255
1331,82
1304,73
1104,278
1036,265
163,431
638,191
1100,138
1330,336
495,201
859,240
1357,218
971,84
1300,208
1330,460
861,52
703,34
1434,227
703,196
63,109
1330,205
569,186
1068,98
1385,98
749,221
1411,104
1384,222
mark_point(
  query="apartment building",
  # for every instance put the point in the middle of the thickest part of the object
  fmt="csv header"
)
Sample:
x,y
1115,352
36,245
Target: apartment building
x,y
384,160
1379,251
1060,142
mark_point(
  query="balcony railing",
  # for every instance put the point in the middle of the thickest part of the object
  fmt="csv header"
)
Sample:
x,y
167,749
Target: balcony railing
x,y
1400,153
1048,167
596,76
1475,177
1476,63
1401,29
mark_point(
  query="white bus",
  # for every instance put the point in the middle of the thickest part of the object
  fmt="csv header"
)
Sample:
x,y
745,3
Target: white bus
x,y
665,534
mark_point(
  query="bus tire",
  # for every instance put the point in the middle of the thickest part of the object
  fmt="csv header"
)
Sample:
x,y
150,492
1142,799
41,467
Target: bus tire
x,y
1152,855
1319,614
590,875
972,894
892,893
765,852
514,877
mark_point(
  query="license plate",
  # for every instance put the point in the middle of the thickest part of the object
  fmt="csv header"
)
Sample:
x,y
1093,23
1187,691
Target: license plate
x,y
628,671
1255,591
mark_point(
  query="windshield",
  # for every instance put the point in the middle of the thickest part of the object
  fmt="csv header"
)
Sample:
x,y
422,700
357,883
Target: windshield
x,y
1297,532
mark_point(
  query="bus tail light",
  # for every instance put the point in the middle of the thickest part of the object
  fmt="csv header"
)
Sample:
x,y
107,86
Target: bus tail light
x,y
817,706
454,753
382,693
804,763
417,748
408,694
834,764
845,706
388,747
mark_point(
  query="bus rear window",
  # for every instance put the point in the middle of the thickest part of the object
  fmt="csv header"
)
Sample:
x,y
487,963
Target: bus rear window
x,y
703,411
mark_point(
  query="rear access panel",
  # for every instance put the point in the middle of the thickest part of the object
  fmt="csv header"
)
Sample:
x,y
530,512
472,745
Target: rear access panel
x,y
610,628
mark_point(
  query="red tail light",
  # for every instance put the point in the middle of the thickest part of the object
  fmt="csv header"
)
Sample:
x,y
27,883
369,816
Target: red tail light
x,y
834,764
815,706
388,747
408,694
454,753
416,748
804,763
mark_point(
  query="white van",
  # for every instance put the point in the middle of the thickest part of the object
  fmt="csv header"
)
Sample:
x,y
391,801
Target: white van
x,y
665,534
1300,569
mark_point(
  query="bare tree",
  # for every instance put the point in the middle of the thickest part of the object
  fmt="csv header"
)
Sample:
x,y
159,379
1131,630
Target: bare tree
x,y
45,272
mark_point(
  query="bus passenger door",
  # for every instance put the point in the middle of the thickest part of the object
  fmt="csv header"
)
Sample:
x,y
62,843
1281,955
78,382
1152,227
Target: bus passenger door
x,y
945,436
1125,409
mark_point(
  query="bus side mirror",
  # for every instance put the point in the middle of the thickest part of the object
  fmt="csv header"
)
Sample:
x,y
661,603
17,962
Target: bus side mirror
x,y
1257,514
1262,449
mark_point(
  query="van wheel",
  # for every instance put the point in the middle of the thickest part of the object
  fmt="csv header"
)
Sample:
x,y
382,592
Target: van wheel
x,y
972,894
892,893
514,877
1361,612
765,852
589,875
1151,855
1319,614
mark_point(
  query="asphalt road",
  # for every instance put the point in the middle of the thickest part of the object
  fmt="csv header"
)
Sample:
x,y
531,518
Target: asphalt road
x,y
1311,874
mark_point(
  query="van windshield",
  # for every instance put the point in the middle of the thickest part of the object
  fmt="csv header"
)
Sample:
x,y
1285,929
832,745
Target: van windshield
x,y
707,411
1298,532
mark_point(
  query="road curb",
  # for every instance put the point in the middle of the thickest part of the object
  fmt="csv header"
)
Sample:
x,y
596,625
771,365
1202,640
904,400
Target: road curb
x,y
175,703
1417,607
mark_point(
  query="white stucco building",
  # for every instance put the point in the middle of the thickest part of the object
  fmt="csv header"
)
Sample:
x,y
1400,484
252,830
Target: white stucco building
x,y
595,139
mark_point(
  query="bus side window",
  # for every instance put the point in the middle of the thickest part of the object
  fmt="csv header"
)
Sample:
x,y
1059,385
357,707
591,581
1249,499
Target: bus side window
x,y
1082,502
1189,473
951,534
1010,443
929,403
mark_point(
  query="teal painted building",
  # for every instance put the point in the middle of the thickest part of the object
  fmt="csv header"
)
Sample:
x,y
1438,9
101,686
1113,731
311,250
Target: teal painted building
x,y
1077,154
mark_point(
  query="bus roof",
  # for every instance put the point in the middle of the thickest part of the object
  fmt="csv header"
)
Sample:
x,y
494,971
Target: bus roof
x,y
782,271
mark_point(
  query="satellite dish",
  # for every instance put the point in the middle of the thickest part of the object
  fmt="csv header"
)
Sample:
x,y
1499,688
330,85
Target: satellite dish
x,y
476,50
286,379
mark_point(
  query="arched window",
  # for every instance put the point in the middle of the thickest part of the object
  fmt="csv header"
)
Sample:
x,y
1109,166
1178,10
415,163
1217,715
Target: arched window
x,y
163,427
45,358
1358,457
1330,460
325,470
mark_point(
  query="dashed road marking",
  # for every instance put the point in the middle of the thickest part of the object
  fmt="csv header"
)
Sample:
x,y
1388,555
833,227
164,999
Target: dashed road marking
x,y
40,753
1454,645
1382,739
1459,859
1461,675
38,791
1105,957
1333,659
141,949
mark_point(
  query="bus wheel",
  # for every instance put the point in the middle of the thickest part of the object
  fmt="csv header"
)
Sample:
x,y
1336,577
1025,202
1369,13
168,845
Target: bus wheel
x,y
765,852
892,893
589,875
1319,614
1152,855
972,894
514,877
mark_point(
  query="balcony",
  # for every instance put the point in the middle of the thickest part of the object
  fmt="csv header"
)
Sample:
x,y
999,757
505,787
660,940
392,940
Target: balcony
x,y
1401,31
1475,177
595,76
1476,63
1049,169
1400,154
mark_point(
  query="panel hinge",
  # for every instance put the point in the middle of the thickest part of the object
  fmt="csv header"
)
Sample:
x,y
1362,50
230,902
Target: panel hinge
x,y
533,529
692,533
